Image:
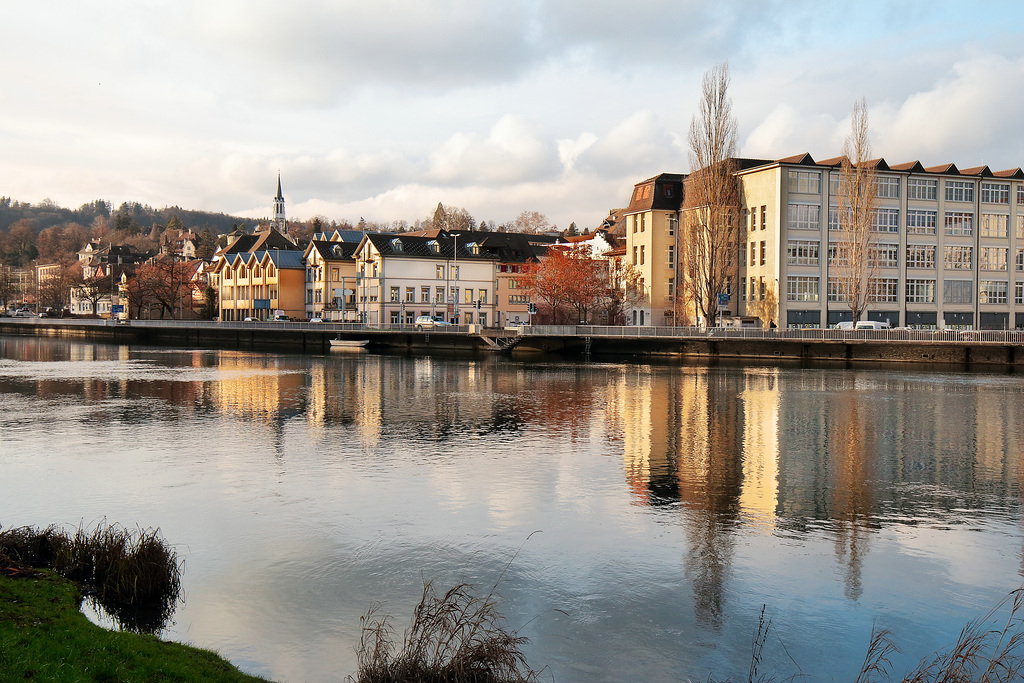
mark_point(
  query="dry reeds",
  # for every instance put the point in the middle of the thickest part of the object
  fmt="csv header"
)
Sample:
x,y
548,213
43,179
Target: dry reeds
x,y
134,576
456,638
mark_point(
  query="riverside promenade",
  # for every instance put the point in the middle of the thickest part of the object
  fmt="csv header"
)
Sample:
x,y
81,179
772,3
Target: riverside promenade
x,y
973,348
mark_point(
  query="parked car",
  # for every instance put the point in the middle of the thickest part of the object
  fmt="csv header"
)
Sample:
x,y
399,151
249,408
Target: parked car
x,y
429,322
316,319
281,318
845,325
23,313
872,325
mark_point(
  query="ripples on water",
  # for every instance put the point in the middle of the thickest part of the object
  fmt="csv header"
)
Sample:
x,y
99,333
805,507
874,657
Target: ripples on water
x,y
672,502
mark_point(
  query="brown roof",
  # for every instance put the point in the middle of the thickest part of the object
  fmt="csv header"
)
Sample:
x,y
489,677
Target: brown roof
x,y
663,192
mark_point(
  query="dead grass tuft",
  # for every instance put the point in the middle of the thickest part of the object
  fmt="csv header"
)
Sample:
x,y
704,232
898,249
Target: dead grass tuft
x,y
458,637
134,575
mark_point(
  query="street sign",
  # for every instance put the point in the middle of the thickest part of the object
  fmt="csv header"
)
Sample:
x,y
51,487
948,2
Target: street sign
x,y
723,301
117,308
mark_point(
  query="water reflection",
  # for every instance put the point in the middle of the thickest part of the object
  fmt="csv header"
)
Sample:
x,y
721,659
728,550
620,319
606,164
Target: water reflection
x,y
674,500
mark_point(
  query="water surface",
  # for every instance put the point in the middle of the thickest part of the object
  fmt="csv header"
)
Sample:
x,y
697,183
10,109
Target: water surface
x,y
671,503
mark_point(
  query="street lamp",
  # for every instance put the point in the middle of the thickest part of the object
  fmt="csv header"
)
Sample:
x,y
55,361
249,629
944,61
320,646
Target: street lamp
x,y
455,256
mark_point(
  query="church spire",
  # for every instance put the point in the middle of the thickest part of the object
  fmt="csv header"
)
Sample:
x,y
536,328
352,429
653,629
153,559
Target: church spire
x,y
279,220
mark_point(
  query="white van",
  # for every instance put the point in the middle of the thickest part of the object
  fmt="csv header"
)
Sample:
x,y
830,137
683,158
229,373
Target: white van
x,y
872,325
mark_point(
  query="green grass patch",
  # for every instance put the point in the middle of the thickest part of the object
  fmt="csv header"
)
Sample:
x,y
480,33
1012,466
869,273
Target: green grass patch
x,y
44,637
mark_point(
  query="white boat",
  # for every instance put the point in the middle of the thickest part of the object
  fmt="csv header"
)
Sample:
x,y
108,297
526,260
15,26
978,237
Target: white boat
x,y
349,343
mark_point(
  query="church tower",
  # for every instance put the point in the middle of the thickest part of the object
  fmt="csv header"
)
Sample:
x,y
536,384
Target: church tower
x,y
279,220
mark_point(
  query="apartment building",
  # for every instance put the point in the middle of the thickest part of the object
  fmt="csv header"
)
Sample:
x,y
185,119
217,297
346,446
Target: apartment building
x,y
948,248
331,280
402,276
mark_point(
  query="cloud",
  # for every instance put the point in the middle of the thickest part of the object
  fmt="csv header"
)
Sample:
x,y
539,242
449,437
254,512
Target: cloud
x,y
514,151
639,145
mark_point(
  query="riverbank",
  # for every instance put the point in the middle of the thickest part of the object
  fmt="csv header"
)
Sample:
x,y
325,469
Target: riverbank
x,y
44,636
967,349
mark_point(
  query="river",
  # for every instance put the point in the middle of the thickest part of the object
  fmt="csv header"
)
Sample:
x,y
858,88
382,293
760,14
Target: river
x,y
634,518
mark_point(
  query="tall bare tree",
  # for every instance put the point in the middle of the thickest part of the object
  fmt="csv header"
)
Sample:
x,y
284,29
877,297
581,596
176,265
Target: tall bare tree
x,y
712,197
853,256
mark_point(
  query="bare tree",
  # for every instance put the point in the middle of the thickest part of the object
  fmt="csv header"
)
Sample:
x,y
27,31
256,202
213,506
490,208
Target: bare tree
x,y
852,257
767,308
712,197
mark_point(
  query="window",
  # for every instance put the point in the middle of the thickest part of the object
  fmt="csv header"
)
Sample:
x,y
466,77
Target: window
x,y
439,295
921,222
633,219
1018,293
885,220
469,296
763,244
884,289
396,245
394,317
884,255
958,258
922,188
805,182
833,217
394,293
671,256
454,272
439,273
802,253
959,223
761,289
483,296
801,288
957,292
993,225
921,256
887,187
1020,194
753,219
992,258
642,249
804,216
410,294
424,295
1020,227
920,291
836,290
753,289
636,251
1020,259
995,193
673,223
764,217
959,190
753,253
992,292
838,255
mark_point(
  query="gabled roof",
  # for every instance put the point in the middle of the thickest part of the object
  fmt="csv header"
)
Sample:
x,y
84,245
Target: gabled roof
x,y
332,251
948,169
1015,173
983,171
909,166
804,159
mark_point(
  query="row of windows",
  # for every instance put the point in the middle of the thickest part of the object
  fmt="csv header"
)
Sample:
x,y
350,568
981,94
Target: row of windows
x,y
917,291
919,221
888,187
955,257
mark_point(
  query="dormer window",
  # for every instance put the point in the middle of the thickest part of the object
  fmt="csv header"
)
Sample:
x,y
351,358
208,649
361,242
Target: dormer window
x,y
434,247
396,245
473,248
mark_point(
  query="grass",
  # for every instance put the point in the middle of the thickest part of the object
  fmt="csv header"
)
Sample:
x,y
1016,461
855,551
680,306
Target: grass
x,y
134,576
44,637
458,637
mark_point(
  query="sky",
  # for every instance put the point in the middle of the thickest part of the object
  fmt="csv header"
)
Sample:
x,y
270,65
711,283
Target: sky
x,y
382,109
